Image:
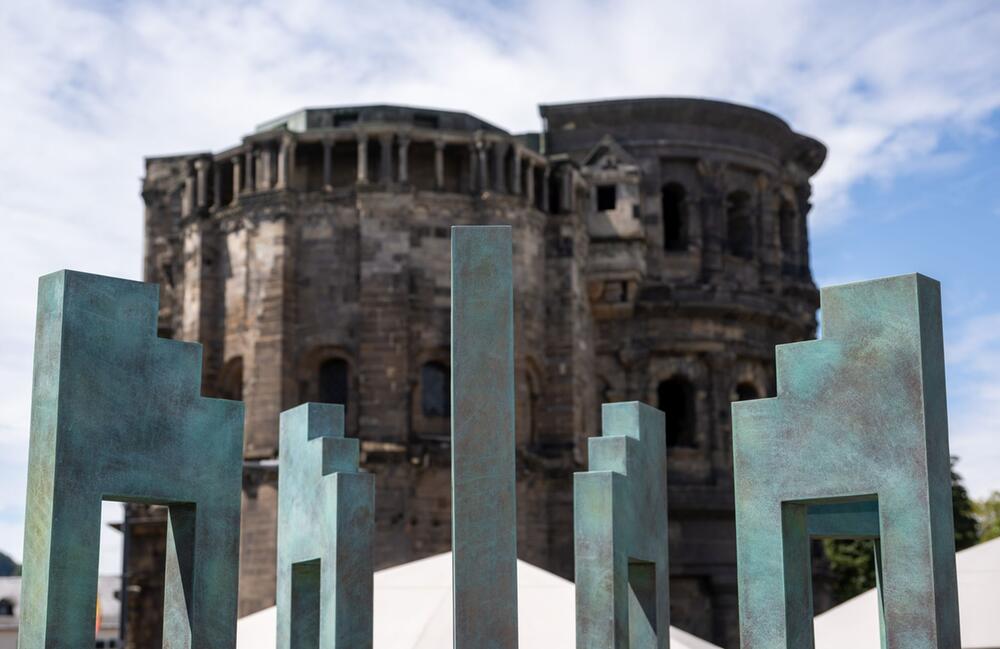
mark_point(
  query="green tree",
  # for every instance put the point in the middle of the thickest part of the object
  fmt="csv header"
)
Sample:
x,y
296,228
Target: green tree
x,y
988,513
852,562
8,567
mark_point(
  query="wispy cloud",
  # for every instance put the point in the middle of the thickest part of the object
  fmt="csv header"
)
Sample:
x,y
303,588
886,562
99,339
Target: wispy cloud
x,y
88,89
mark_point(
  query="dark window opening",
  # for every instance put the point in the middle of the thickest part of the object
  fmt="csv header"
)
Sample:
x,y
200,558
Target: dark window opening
x,y
435,392
6,607
739,225
607,197
674,217
426,120
676,399
555,193
231,380
746,391
333,387
345,119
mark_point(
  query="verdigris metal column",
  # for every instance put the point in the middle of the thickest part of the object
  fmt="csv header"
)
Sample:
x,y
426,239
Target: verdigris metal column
x,y
325,529
855,445
620,533
484,521
117,414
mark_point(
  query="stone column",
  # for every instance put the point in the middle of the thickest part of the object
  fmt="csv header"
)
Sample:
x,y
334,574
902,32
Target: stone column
x,y
483,170
473,167
439,164
362,159
293,148
284,155
385,158
529,182
404,151
188,198
768,231
266,164
515,182
201,176
327,164
500,167
713,211
568,202
546,199
248,176
237,172
802,195
217,185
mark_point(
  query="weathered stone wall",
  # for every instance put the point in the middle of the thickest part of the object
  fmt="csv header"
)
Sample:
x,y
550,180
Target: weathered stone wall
x,y
695,273
654,241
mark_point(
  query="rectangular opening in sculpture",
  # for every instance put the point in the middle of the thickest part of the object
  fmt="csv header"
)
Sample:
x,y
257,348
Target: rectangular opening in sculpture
x,y
641,604
305,604
111,589
845,531
159,564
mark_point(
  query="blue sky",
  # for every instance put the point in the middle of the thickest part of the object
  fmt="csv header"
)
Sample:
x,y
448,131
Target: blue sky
x,y
905,94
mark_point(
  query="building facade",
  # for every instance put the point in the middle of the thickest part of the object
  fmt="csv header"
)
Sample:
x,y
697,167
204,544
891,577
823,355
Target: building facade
x,y
660,251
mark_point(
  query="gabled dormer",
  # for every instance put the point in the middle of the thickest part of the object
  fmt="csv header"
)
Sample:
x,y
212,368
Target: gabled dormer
x,y
608,155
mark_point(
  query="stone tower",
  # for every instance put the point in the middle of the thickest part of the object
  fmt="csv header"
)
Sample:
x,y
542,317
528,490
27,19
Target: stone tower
x,y
660,252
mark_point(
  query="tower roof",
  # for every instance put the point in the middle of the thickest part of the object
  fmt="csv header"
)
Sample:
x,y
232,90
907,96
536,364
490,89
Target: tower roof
x,y
307,119
574,126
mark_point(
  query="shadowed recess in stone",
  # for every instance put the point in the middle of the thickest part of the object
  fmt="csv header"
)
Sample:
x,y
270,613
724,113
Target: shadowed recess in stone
x,y
484,521
620,532
117,414
855,445
325,533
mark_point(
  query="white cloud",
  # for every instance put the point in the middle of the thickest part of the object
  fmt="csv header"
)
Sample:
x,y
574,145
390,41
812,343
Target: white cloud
x,y
974,401
87,90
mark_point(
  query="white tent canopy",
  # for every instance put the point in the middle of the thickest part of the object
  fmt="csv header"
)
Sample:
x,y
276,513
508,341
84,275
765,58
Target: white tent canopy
x,y
413,611
855,622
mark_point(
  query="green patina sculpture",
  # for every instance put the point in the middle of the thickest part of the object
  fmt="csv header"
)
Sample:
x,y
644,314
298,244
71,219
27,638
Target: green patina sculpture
x,y
116,414
484,521
620,533
325,534
854,445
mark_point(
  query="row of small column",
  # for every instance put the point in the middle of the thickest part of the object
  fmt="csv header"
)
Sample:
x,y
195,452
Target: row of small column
x,y
262,167
477,164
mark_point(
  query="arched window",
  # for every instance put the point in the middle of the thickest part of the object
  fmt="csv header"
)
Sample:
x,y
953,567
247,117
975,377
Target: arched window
x,y
675,398
674,207
435,390
6,607
333,381
527,411
739,225
746,391
231,379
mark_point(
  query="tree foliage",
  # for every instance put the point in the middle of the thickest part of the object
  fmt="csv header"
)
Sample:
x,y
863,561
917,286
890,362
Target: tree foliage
x,y
852,562
8,567
988,513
